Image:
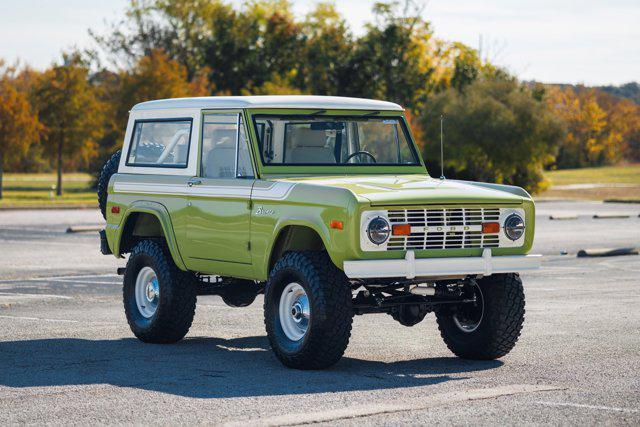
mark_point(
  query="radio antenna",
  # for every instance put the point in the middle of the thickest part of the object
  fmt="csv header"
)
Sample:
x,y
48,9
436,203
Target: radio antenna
x,y
441,147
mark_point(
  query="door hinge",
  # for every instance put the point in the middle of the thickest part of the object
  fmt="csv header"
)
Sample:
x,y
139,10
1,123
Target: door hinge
x,y
248,246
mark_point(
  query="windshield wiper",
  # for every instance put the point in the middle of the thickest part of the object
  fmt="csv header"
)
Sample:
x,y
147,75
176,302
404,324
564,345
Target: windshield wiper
x,y
373,113
319,112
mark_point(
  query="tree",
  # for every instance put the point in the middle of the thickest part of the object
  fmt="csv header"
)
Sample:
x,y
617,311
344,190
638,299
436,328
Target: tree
x,y
177,27
156,76
327,47
251,47
71,114
393,59
595,134
495,130
19,126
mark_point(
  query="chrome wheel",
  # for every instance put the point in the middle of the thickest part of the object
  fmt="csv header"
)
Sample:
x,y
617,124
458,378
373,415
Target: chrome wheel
x,y
469,316
147,292
294,311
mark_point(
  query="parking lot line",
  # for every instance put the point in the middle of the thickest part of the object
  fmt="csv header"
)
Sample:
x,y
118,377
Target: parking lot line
x,y
40,319
64,279
417,403
596,407
34,296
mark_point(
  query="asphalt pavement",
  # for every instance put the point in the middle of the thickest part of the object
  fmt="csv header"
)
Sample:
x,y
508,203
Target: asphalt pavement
x,y
67,355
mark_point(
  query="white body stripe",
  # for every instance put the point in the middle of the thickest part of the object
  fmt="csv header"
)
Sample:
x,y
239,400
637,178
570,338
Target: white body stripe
x,y
275,191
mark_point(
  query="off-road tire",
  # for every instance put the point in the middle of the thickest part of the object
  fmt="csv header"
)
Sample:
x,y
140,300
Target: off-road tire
x,y
109,168
329,295
177,301
501,323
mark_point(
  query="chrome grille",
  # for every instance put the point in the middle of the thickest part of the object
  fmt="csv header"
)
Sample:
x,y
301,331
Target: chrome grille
x,y
449,228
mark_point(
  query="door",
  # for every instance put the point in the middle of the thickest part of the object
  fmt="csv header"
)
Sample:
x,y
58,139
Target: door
x,y
218,228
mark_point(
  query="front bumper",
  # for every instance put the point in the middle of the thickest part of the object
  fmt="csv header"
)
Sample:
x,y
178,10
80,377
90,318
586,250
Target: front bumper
x,y
410,267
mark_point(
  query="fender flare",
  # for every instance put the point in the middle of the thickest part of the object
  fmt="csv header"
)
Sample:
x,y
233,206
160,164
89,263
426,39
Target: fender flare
x,y
162,214
316,224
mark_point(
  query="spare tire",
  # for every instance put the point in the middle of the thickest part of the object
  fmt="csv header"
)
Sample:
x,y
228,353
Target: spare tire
x,y
109,168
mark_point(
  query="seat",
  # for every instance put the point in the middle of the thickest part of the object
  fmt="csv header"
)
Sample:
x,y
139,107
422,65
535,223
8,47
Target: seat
x,y
309,146
220,160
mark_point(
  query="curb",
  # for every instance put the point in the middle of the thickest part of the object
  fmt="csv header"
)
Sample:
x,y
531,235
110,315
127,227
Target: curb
x,y
621,201
602,252
562,217
83,228
611,216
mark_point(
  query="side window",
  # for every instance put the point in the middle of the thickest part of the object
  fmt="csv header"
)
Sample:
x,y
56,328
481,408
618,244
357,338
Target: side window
x,y
160,143
220,159
245,170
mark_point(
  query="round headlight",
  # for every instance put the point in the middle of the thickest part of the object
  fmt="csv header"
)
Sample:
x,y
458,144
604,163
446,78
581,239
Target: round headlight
x,y
378,230
514,227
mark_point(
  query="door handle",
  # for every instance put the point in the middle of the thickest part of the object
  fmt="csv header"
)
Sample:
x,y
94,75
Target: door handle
x,y
193,182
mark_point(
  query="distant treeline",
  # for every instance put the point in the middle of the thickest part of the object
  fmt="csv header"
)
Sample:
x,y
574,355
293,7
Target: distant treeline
x,y
72,115
629,90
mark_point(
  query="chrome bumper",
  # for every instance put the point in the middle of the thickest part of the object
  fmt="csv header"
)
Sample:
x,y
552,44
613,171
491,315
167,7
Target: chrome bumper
x,y
410,267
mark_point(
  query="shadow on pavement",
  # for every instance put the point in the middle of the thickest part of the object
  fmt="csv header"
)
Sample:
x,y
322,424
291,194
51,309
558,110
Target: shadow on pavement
x,y
207,368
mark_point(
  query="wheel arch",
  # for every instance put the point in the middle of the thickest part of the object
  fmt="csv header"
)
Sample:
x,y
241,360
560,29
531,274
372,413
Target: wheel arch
x,y
144,220
295,236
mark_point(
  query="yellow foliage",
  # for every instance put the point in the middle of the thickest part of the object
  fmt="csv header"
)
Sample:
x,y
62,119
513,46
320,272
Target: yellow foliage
x,y
597,126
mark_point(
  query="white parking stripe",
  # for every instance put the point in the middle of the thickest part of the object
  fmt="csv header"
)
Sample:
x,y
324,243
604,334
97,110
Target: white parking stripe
x,y
92,282
416,403
34,296
596,407
39,319
61,278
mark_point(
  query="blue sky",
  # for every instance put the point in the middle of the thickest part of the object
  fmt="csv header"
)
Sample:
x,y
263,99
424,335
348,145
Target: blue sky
x,y
588,41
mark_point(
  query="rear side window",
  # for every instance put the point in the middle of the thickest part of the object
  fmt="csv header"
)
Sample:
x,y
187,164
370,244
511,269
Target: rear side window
x,y
160,143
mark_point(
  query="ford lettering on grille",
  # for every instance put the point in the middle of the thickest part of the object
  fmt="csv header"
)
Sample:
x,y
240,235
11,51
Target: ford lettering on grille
x,y
449,228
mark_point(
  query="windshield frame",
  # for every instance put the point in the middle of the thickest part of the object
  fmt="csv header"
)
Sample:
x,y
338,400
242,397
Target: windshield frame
x,y
344,168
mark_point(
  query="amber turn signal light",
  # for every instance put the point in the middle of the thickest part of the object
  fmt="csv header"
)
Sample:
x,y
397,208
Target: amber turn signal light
x,y
336,224
401,229
490,227
115,209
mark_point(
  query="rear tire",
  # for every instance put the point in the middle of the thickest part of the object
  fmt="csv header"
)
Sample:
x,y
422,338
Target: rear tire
x,y
308,287
491,332
108,169
159,298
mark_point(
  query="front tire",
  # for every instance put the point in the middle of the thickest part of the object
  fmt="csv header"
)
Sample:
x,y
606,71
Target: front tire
x,y
488,329
307,310
159,298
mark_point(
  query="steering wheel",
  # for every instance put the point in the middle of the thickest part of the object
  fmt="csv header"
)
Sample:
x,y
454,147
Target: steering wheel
x,y
357,153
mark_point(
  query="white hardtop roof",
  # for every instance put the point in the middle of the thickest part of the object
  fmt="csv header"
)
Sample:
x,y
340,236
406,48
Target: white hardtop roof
x,y
272,101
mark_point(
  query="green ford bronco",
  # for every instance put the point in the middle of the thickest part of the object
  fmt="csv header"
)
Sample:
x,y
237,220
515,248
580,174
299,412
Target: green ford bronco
x,y
322,204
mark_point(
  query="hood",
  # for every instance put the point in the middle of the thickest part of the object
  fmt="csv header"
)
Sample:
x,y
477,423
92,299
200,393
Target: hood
x,y
384,190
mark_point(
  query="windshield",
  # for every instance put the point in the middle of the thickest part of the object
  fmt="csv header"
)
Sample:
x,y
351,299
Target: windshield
x,y
331,140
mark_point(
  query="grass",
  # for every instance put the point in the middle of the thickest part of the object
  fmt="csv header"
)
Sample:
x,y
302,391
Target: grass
x,y
613,183
38,190
628,174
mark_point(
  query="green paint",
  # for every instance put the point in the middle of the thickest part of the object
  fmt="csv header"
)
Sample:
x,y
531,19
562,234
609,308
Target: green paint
x,y
233,234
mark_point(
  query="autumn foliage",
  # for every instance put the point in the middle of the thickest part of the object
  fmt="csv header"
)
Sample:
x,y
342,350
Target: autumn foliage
x,y
72,115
